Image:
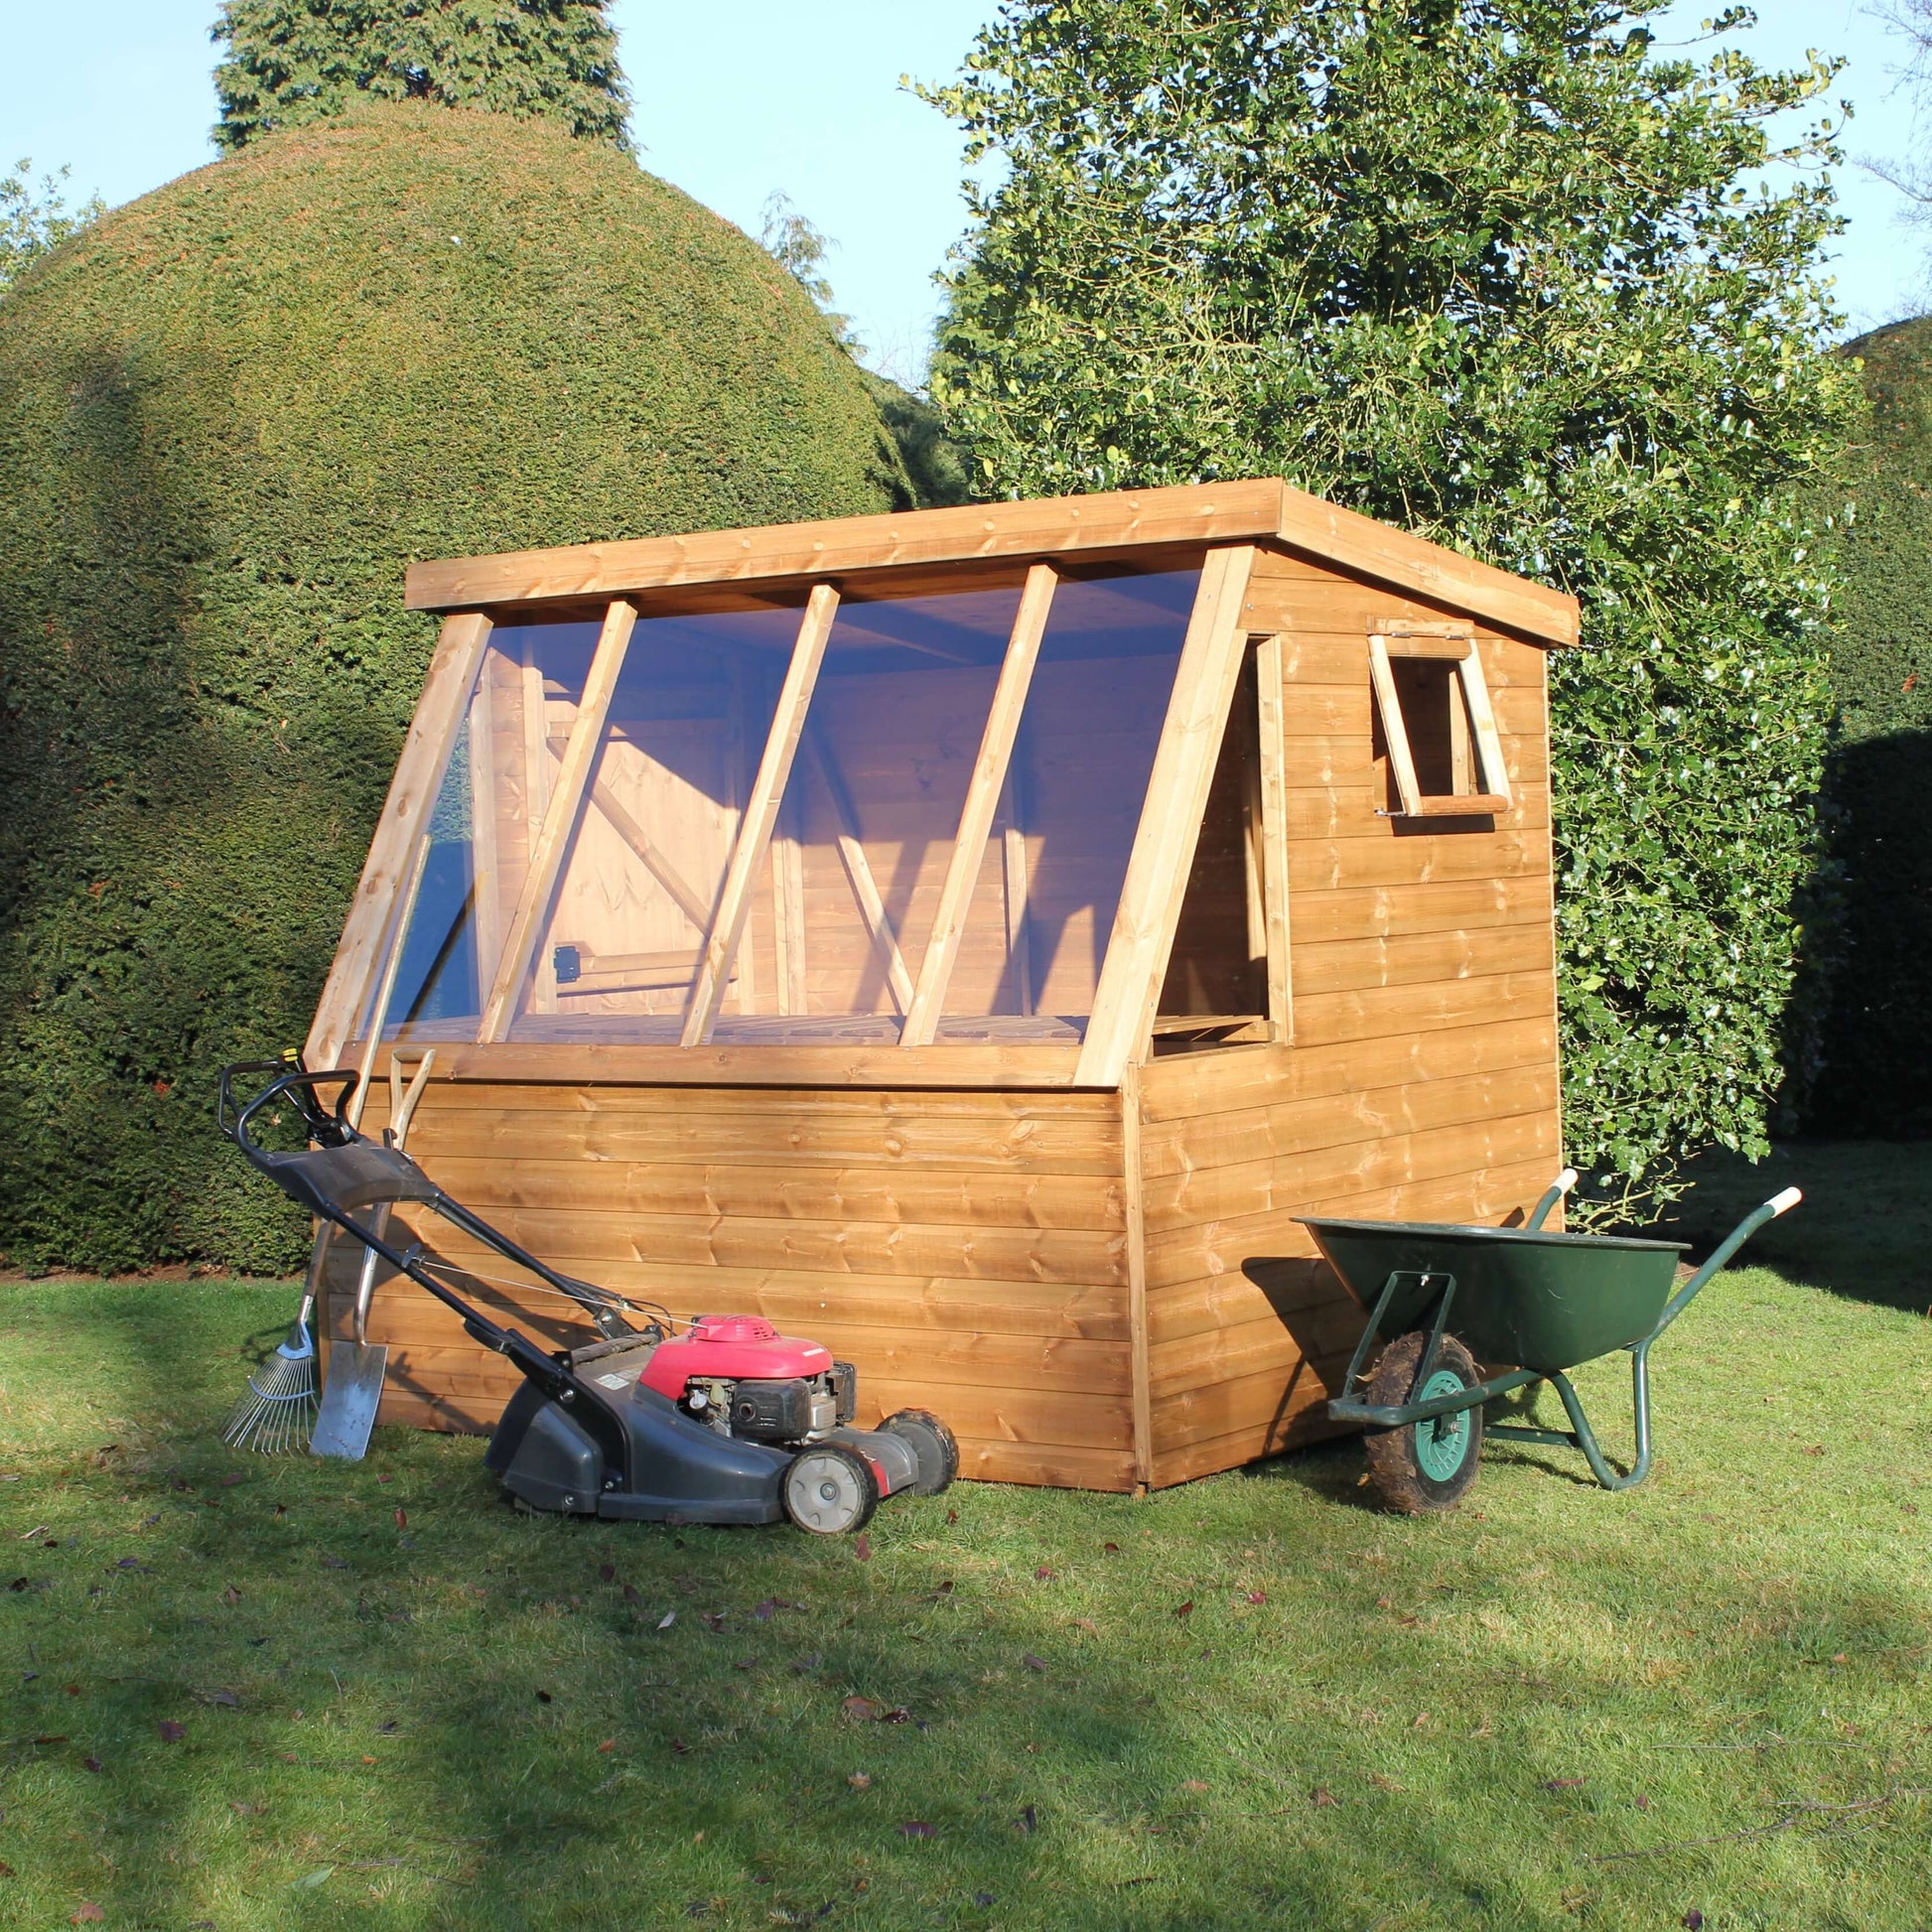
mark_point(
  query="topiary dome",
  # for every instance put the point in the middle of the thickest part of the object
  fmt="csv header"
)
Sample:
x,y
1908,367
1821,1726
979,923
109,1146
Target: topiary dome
x,y
231,413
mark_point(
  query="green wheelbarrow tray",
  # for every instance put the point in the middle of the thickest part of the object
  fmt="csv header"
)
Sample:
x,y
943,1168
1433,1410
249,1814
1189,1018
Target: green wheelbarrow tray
x,y
1543,1301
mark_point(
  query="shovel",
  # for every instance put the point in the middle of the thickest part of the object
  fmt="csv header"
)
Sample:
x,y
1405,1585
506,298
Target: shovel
x,y
357,1368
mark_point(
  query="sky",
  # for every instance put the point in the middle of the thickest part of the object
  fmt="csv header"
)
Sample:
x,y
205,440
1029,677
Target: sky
x,y
740,98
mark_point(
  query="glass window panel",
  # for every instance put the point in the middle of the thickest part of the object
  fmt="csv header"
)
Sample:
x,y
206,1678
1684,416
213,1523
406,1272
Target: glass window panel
x,y
1050,880
625,924
479,834
868,818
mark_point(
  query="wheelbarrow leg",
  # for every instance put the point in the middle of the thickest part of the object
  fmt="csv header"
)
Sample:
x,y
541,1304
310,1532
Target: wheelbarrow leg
x,y
1582,1437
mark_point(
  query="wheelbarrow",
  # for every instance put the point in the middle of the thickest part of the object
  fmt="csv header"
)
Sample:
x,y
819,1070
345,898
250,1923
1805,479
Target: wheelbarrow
x,y
1443,1298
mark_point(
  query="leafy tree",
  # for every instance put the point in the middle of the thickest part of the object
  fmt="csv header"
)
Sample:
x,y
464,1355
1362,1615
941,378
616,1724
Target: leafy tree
x,y
290,62
1483,268
34,220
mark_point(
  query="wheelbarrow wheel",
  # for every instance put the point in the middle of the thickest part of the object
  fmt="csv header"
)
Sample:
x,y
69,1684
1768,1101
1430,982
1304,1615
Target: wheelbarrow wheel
x,y
1423,1467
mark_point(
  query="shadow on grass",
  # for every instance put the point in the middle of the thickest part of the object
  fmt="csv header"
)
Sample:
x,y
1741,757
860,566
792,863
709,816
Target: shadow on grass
x,y
1863,1229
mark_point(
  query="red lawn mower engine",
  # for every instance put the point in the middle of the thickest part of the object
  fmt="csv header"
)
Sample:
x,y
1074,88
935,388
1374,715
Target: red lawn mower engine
x,y
740,1377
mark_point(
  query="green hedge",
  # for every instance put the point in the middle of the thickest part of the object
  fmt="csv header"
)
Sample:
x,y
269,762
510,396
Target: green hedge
x,y
1876,1050
229,414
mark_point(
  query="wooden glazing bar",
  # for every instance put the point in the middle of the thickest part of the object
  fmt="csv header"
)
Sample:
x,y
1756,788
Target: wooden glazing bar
x,y
1273,774
405,817
857,869
537,769
1169,825
551,845
1012,862
761,814
982,800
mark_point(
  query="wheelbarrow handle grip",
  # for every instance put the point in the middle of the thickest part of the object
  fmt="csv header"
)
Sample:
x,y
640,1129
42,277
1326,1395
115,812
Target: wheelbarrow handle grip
x,y
1735,1239
1555,1192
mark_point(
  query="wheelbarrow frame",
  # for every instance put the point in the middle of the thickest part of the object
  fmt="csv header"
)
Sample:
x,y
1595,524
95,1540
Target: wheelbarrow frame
x,y
1579,1436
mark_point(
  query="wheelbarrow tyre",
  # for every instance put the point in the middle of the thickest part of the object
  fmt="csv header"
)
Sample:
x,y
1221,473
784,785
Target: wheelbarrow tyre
x,y
1423,1467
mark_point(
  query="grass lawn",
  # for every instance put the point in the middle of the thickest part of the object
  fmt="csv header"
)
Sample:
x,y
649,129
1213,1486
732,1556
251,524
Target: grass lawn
x,y
249,1693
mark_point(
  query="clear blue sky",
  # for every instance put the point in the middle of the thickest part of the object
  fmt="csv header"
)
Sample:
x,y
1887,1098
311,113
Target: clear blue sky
x,y
739,97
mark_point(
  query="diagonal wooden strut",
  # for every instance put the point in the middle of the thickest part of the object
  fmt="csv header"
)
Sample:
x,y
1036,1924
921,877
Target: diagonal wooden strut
x,y
655,861
983,791
858,869
761,814
553,839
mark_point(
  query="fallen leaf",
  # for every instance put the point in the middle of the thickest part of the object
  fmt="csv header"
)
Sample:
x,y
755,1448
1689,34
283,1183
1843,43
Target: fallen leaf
x,y
1642,1803
1385,1603
231,1594
944,1588
74,1690
665,1621
1321,1797
171,1733
632,1595
711,1620
862,1547
1817,1449
238,1476
917,1828
1693,1920
90,1764
402,1521
1086,1623
133,1563
333,1563
984,1899
682,1748
609,1745
7,1870
1043,1575
385,1478
858,1709
51,1737
1196,1784
242,1809
1110,1549
1422,1722
367,1758
1031,1662
1562,1784
859,1781
1187,1609
1028,1819
91,1914
606,1573
543,1696
953,1516
1257,1597
281,1510
1383,1784
311,1880
225,1699
771,1606
1838,1657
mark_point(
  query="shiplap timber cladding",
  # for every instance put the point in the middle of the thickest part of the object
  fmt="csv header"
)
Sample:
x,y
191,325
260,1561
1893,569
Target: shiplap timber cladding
x,y
1048,927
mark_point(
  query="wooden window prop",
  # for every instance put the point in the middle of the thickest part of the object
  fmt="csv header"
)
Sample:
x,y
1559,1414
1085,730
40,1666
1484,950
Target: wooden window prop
x,y
1434,708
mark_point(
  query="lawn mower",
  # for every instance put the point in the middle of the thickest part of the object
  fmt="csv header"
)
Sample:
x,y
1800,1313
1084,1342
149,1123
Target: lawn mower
x,y
728,1422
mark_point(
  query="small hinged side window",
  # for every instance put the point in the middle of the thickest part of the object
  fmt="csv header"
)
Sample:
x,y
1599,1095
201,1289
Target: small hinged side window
x,y
1445,755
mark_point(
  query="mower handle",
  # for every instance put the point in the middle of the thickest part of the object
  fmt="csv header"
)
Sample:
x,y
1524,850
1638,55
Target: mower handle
x,y
331,1129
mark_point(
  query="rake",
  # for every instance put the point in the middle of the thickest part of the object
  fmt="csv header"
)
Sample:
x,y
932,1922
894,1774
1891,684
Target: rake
x,y
277,1410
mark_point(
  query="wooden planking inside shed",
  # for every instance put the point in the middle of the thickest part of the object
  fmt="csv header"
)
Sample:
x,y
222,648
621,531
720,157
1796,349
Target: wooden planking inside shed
x,y
966,1249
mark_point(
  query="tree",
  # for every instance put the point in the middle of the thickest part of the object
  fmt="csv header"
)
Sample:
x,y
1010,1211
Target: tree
x,y
1487,269
291,62
34,220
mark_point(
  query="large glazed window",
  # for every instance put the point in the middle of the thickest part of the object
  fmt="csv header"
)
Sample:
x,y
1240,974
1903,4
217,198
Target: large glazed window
x,y
818,818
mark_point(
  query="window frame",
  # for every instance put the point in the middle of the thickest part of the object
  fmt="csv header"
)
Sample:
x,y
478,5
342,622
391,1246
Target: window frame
x,y
1396,639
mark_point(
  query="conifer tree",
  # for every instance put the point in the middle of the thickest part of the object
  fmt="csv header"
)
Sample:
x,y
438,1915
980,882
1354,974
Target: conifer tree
x,y
290,62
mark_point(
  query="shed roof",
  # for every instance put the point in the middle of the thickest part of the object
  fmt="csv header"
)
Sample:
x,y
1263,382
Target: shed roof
x,y
1265,510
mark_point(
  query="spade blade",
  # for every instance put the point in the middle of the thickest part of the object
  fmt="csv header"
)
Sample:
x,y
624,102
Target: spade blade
x,y
349,1401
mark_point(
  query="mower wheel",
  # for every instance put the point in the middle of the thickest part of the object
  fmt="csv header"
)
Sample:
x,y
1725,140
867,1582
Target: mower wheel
x,y
933,1443
830,1490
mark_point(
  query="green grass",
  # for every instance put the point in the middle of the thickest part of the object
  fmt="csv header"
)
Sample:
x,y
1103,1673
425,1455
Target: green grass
x,y
1555,1708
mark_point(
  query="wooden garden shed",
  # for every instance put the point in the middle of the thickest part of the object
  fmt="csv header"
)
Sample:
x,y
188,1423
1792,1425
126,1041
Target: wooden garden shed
x,y
969,937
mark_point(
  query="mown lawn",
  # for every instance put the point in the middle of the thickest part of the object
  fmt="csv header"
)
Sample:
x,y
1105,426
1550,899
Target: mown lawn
x,y
239,1693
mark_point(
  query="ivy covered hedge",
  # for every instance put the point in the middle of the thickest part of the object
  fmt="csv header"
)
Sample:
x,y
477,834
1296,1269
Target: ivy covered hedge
x,y
229,414
1876,1051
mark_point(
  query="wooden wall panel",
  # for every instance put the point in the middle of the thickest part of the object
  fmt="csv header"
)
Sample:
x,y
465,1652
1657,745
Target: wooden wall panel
x,y
966,1249
1422,1081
